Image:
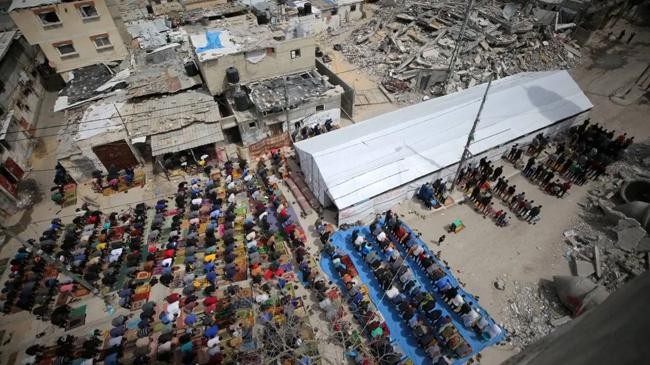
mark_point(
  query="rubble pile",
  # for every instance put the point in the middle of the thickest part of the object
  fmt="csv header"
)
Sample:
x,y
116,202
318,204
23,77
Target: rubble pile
x,y
609,246
409,45
533,312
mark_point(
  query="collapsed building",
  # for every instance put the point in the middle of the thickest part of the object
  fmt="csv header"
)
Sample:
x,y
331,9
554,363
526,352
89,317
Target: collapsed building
x,y
410,47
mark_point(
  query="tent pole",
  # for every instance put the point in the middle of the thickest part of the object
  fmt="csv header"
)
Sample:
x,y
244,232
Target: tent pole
x,y
470,137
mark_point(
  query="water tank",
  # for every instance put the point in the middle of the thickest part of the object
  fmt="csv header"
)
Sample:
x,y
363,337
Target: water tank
x,y
191,69
301,11
307,8
232,75
241,100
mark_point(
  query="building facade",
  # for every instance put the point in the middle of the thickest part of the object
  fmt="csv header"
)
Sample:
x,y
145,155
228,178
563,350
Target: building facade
x,y
20,99
71,34
255,52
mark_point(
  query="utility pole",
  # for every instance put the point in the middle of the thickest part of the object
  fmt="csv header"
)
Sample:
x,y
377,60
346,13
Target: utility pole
x,y
470,137
51,260
459,41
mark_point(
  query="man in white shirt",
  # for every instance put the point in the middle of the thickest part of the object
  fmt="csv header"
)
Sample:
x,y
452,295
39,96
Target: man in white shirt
x,y
381,237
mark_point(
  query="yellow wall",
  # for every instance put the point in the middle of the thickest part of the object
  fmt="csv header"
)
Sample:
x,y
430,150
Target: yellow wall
x,y
273,65
72,28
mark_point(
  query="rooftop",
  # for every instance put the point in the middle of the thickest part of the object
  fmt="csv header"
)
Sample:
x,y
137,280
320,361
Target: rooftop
x,y
84,82
268,96
26,4
170,112
6,38
214,43
150,34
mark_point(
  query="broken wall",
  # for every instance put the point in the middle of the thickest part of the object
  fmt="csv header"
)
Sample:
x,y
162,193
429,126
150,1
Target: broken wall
x,y
347,99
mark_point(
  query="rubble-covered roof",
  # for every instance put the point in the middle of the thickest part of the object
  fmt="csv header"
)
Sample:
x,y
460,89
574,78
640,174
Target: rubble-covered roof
x,y
169,112
396,148
83,82
26,4
161,79
268,96
217,11
214,43
150,34
6,38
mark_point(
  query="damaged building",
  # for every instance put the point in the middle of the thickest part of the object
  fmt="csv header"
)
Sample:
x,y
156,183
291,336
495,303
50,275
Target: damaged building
x,y
21,90
255,52
309,17
410,47
71,34
285,104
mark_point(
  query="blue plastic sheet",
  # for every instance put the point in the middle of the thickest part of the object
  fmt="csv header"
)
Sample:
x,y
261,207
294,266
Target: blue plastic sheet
x,y
400,331
213,41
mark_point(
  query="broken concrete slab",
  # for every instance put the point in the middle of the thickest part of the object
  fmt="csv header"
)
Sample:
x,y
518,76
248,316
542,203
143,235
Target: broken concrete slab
x,y
597,263
629,234
560,321
583,268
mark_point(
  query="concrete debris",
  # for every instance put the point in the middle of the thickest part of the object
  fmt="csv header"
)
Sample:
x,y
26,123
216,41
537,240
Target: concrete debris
x,y
629,233
597,264
500,37
500,284
608,240
530,312
583,268
579,294
560,321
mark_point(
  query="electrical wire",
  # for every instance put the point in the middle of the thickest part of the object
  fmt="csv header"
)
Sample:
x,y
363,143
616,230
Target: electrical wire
x,y
61,133
121,116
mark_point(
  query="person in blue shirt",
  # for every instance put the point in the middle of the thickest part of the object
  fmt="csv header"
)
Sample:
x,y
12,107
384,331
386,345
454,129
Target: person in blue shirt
x,y
211,277
211,331
190,319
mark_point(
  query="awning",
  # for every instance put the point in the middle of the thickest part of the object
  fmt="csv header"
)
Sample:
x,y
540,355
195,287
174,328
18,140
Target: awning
x,y
194,135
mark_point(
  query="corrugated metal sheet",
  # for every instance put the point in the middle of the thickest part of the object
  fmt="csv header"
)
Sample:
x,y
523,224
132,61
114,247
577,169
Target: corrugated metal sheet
x,y
171,112
194,135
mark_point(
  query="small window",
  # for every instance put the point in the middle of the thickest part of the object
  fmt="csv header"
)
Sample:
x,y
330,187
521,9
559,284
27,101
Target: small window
x,y
88,11
66,49
335,11
102,41
353,7
320,108
251,125
295,54
49,18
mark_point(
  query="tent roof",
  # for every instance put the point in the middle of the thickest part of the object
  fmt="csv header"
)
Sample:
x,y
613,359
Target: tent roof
x,y
366,159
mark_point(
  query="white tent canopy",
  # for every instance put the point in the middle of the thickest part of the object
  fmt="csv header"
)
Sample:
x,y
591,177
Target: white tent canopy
x,y
353,164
